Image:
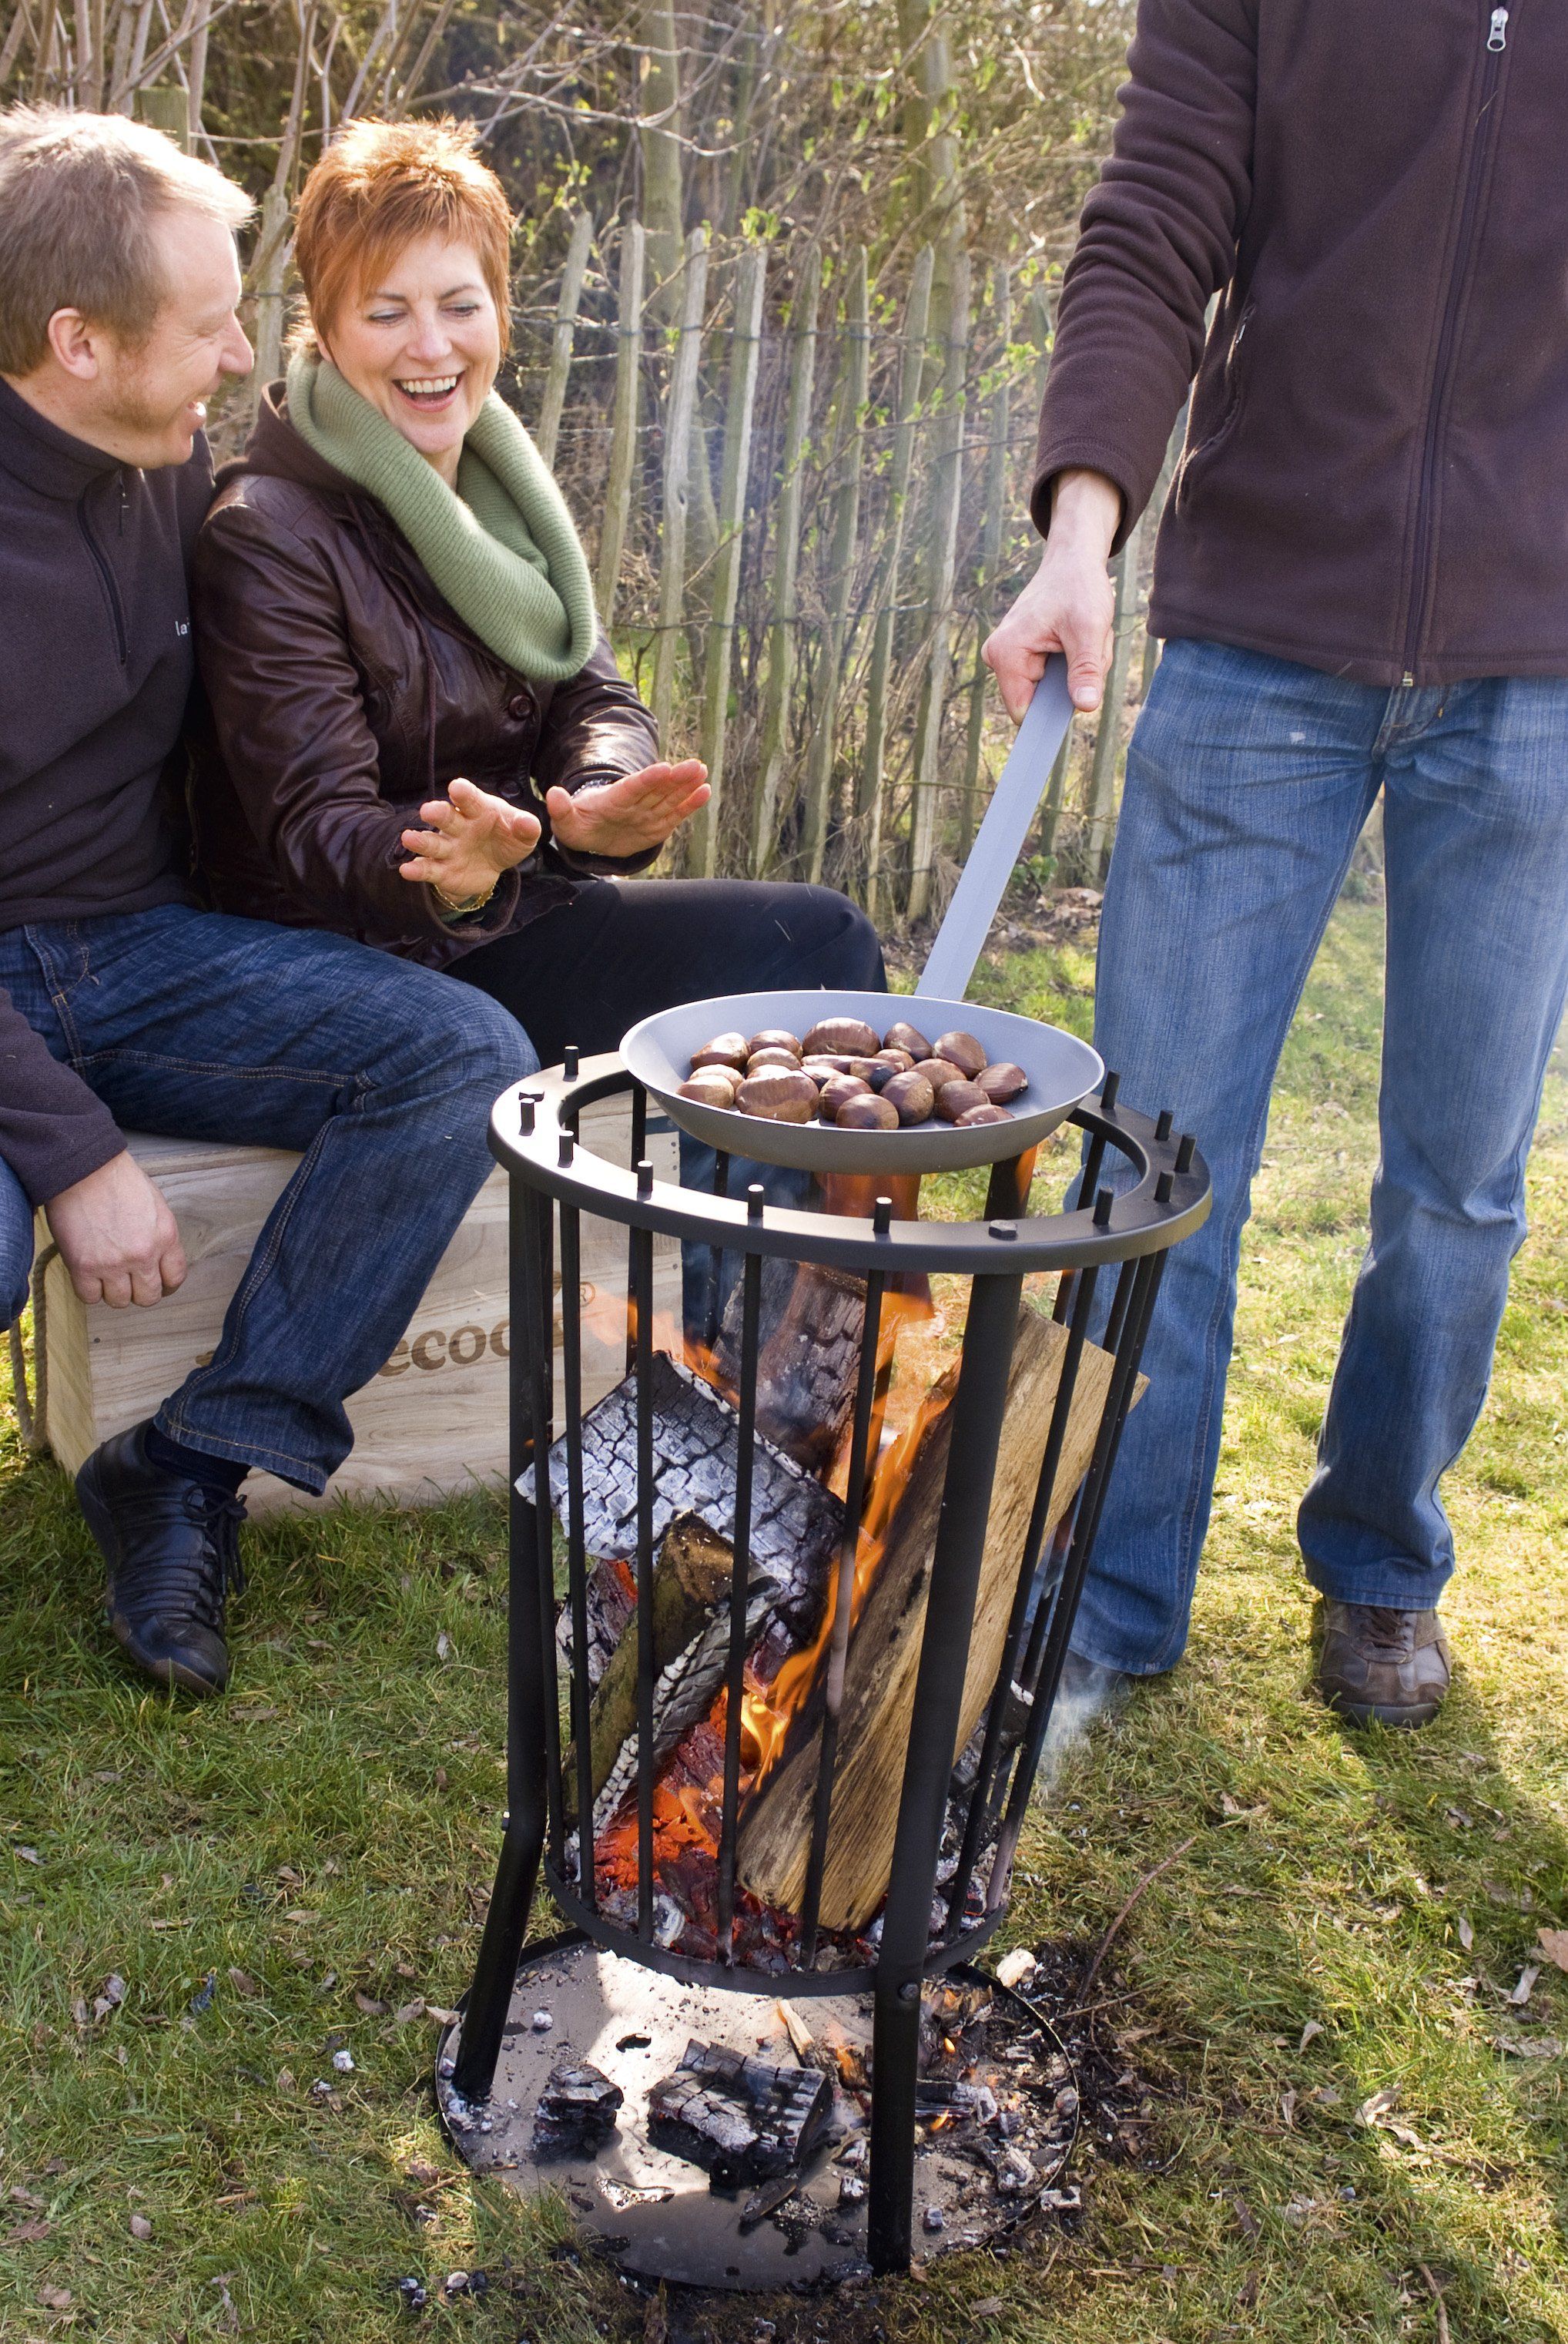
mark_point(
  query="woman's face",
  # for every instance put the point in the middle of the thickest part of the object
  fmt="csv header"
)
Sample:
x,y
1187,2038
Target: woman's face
x,y
422,344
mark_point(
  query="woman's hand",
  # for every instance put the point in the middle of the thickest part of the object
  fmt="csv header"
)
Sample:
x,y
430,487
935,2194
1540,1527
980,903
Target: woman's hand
x,y
471,838
624,817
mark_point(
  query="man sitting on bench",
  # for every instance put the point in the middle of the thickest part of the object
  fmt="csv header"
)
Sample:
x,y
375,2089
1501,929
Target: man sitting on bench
x,y
122,1002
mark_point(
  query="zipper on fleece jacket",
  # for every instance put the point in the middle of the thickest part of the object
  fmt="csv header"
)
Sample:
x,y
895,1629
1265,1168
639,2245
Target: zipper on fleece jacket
x,y
1496,21
105,574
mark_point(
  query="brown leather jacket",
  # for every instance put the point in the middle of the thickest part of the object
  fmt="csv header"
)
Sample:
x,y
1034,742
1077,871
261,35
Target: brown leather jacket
x,y
341,690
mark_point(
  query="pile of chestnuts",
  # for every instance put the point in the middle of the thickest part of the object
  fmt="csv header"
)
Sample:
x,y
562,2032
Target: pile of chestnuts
x,y
842,1072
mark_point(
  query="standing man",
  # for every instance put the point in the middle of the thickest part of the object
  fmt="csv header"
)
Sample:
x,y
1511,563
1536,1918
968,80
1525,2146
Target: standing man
x,y
122,1002
1362,578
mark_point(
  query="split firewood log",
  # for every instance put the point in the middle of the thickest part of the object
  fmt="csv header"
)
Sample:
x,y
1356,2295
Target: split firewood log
x,y
811,1321
877,1715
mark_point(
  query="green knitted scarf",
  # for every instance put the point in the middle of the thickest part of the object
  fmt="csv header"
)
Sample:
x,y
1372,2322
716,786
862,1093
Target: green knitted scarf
x,y
503,551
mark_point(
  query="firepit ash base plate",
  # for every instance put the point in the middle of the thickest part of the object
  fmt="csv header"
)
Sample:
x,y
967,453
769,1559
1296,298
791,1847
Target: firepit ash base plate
x,y
656,2213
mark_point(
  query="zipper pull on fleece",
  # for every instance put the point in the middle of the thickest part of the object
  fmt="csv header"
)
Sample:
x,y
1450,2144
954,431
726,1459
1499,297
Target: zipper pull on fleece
x,y
1497,38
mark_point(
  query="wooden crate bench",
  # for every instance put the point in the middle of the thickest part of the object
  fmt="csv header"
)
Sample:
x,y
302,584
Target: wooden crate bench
x,y
434,1419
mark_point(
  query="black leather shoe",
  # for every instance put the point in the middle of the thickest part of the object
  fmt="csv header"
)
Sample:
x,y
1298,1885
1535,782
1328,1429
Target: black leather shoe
x,y
173,1551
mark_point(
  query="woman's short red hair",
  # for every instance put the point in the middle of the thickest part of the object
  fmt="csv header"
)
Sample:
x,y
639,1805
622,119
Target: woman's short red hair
x,y
381,186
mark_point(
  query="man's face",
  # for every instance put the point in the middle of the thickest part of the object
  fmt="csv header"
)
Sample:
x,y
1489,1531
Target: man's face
x,y
149,403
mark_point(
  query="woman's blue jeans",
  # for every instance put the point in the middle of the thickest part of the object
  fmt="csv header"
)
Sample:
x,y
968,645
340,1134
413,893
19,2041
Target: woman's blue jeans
x,y
1248,782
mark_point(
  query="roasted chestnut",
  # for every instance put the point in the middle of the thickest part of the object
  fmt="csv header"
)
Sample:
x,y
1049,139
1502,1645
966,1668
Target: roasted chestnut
x,y
848,1034
782,1094
820,1065
774,1037
774,1057
940,1072
962,1051
724,1050
1001,1082
899,1060
906,1037
711,1086
910,1094
953,1100
836,1090
867,1112
984,1115
874,1071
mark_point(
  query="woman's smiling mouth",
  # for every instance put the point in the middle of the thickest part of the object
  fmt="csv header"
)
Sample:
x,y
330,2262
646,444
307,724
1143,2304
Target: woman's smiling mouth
x,y
431,392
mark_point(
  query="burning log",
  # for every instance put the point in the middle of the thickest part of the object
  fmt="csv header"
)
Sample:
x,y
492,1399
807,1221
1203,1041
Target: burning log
x,y
796,1523
811,1321
577,2112
740,2119
874,1721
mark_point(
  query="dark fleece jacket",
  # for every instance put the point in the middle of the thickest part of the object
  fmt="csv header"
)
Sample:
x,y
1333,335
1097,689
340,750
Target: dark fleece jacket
x,y
96,669
1375,477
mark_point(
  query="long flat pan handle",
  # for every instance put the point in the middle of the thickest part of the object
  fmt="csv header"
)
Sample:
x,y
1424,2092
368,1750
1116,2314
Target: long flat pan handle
x,y
960,939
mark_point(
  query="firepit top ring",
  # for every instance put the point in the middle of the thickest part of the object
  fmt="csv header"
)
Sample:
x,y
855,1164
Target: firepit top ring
x,y
534,1124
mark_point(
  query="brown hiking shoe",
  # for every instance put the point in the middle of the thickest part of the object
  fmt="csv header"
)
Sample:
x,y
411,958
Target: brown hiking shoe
x,y
1380,1666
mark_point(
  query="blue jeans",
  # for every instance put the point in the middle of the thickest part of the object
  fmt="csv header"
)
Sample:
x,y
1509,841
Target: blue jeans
x,y
382,1075
15,1246
1248,782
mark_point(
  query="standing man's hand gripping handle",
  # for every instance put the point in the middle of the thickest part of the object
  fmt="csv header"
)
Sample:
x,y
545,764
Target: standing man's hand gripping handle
x,y
1069,604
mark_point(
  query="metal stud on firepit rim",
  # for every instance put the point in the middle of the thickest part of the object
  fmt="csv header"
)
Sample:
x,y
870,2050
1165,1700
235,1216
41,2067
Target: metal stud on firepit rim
x,y
533,1134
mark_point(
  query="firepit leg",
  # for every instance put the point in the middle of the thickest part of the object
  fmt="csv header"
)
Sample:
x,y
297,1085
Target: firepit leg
x,y
979,1407
522,1843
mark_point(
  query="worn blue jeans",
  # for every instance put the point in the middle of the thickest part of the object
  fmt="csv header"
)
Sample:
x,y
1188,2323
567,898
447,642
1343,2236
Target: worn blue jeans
x,y
1248,782
15,1246
382,1075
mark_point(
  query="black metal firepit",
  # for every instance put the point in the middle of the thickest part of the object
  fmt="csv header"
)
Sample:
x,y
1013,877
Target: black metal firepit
x,y
842,1846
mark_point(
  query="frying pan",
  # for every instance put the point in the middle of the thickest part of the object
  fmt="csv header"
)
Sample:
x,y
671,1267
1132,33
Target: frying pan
x,y
1060,1068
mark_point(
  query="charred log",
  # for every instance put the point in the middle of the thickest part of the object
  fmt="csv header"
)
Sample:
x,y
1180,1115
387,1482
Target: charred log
x,y
796,1523
611,1594
577,2112
811,1323
742,2120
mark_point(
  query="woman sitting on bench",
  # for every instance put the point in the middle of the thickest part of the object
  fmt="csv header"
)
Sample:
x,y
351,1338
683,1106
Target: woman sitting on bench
x,y
417,734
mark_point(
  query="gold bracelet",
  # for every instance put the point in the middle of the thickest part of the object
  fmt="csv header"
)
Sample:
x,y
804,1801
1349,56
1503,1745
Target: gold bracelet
x,y
458,907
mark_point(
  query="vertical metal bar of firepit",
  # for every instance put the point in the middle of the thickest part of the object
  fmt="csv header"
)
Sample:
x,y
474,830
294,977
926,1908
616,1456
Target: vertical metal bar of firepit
x,y
523,1831
981,1804
639,1150
642,1304
1088,1183
577,1542
1117,1402
979,1409
839,1637
715,1308
544,1574
739,1581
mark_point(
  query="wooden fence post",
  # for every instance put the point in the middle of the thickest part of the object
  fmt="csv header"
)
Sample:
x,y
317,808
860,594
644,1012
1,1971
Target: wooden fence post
x,y
751,286
1107,737
678,421
944,548
556,378
784,617
873,763
995,510
624,421
854,383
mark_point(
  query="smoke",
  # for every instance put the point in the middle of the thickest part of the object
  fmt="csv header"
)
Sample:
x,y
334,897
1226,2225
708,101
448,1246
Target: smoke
x,y
1086,1691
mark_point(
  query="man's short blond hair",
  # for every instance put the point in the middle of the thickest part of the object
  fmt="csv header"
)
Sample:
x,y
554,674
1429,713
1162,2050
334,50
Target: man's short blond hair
x,y
79,197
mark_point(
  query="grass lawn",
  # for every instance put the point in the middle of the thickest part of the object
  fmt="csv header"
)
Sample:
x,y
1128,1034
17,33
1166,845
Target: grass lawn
x,y
297,1870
